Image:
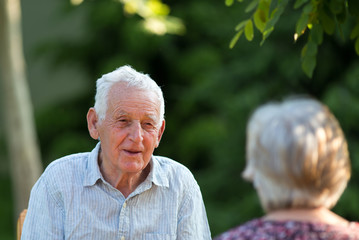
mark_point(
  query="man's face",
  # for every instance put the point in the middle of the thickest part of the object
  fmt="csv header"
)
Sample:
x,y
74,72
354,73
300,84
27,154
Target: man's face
x,y
131,129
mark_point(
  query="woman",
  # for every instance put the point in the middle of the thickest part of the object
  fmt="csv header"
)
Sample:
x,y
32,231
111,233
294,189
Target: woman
x,y
297,159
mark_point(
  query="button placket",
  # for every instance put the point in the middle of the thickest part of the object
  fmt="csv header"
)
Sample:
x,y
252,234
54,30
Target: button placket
x,y
124,221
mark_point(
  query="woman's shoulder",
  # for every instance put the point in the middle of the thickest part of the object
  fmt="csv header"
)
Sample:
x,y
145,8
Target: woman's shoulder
x,y
270,229
243,231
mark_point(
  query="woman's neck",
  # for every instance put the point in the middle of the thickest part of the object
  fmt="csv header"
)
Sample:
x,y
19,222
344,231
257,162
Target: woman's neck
x,y
320,214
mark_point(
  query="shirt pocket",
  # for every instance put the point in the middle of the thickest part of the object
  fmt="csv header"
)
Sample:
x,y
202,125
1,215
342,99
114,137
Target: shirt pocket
x,y
158,236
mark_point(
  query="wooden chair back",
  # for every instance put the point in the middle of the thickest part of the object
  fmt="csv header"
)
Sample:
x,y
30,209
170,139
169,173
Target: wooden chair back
x,y
20,222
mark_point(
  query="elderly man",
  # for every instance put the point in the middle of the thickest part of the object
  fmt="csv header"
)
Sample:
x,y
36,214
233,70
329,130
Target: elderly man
x,y
119,190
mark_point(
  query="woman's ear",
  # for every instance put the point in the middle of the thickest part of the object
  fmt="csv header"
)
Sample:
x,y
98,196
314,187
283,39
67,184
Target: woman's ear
x,y
92,123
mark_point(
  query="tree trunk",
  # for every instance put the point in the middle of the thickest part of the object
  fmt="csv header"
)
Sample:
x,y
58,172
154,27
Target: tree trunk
x,y
23,149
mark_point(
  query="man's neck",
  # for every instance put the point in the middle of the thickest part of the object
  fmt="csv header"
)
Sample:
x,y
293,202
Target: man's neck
x,y
126,183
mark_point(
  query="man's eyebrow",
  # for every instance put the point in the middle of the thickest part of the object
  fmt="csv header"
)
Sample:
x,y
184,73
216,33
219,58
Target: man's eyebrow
x,y
152,117
121,113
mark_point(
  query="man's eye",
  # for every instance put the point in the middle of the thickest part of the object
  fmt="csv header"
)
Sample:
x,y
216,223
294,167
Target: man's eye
x,y
123,120
148,125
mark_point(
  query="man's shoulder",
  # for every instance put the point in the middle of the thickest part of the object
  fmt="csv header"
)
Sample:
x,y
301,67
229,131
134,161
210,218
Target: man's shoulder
x,y
66,168
168,164
174,171
67,161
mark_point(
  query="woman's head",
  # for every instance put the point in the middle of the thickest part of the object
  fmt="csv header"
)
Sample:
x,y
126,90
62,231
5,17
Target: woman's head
x,y
297,155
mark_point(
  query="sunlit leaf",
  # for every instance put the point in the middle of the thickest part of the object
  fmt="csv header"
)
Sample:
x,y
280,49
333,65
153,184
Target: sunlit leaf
x,y
161,25
158,8
229,2
260,19
76,2
248,30
131,7
241,25
235,39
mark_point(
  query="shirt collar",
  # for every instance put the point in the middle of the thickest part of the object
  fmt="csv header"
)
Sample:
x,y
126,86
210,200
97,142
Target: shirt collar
x,y
93,171
157,174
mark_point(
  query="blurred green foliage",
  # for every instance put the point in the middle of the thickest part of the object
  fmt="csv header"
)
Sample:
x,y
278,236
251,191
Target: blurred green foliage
x,y
317,17
210,92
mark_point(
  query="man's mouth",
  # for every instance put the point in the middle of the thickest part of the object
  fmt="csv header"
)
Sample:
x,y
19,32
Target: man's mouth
x,y
132,152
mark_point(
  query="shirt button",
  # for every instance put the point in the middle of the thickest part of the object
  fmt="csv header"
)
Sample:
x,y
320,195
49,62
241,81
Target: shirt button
x,y
124,205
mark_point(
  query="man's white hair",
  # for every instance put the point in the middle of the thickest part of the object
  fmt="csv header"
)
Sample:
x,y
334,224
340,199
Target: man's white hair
x,y
132,78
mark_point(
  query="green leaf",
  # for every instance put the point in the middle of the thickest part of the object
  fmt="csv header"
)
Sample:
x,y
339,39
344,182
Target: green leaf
x,y
309,54
241,25
308,65
357,46
275,15
264,5
302,24
327,22
308,8
260,19
353,7
355,32
248,30
312,48
229,2
316,34
252,5
299,3
266,34
235,39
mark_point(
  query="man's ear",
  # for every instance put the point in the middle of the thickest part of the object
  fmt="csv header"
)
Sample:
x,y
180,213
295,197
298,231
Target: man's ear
x,y
160,132
92,123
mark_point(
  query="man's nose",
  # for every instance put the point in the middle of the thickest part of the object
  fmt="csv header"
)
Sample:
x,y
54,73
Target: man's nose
x,y
136,132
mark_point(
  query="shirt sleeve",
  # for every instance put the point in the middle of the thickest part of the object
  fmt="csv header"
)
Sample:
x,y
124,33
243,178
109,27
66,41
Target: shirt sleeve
x,y
45,217
192,221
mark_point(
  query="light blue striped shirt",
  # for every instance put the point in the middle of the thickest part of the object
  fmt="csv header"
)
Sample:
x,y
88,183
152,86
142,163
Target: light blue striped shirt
x,y
71,200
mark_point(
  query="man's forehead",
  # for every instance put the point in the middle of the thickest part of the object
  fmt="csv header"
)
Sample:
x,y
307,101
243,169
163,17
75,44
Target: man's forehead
x,y
125,100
